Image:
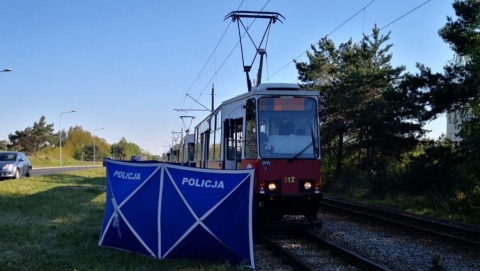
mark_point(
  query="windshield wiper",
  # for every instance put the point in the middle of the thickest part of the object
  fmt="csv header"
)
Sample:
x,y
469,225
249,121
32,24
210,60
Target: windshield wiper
x,y
315,149
300,153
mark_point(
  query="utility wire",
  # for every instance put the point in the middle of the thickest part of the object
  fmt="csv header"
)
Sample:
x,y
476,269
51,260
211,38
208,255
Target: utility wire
x,y
389,24
300,55
233,49
331,32
353,16
211,55
399,18
206,63
230,53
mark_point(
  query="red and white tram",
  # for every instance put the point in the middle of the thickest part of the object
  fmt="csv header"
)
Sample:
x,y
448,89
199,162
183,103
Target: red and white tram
x,y
273,128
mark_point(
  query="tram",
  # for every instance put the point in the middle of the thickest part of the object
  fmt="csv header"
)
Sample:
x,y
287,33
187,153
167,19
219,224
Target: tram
x,y
273,128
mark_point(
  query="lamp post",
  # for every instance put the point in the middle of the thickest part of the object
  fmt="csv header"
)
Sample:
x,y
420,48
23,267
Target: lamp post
x,y
94,143
6,70
73,111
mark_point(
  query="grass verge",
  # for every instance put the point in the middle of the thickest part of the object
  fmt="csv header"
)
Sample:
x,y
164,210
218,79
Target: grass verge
x,y
47,161
54,222
360,190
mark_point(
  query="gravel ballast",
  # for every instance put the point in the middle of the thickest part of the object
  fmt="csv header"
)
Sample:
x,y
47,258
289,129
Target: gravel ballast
x,y
396,250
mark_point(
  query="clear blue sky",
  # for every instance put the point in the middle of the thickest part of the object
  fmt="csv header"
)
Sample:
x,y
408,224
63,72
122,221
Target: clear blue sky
x,y
125,66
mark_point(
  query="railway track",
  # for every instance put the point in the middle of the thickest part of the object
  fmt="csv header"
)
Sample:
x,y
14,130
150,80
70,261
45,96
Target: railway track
x,y
457,234
306,251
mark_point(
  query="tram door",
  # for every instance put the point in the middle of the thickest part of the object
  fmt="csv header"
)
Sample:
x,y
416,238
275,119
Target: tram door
x,y
233,136
204,149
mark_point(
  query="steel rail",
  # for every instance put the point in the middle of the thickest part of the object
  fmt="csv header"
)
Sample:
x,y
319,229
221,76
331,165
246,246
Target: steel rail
x,y
348,256
298,264
452,232
286,256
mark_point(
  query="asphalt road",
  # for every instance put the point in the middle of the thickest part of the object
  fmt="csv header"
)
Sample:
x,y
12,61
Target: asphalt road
x,y
56,170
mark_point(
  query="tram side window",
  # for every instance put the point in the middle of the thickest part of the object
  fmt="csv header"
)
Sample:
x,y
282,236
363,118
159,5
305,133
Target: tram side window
x,y
215,140
218,136
216,144
234,141
251,151
197,145
211,148
204,149
190,152
180,154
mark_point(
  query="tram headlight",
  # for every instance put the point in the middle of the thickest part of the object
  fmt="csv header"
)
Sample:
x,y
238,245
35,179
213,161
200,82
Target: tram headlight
x,y
272,187
306,186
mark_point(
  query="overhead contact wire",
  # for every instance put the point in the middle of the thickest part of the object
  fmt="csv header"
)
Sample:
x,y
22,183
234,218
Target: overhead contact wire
x,y
228,56
387,25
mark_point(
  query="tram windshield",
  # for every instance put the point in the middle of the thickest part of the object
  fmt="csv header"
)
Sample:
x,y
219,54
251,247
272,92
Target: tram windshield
x,y
288,128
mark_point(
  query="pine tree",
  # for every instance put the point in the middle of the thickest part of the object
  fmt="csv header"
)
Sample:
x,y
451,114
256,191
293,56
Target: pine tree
x,y
33,138
371,120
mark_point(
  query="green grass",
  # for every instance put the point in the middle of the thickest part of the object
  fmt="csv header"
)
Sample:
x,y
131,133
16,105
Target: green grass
x,y
54,223
359,189
39,160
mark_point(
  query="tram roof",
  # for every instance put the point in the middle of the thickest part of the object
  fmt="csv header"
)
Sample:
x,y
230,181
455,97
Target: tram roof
x,y
272,88
276,86
263,89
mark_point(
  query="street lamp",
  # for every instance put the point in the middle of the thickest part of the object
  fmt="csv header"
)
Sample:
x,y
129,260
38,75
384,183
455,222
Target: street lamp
x,y
94,143
6,70
73,111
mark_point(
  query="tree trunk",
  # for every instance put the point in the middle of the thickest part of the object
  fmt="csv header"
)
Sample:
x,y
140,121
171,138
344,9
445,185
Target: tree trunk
x,y
338,167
